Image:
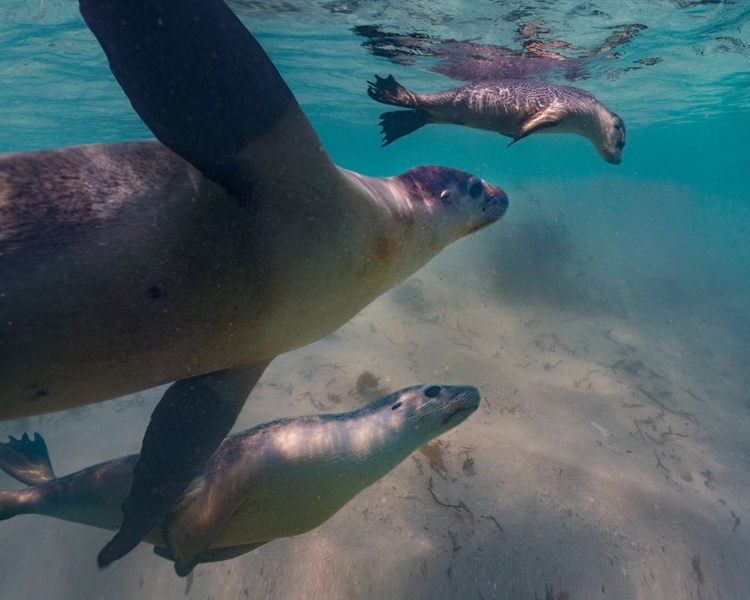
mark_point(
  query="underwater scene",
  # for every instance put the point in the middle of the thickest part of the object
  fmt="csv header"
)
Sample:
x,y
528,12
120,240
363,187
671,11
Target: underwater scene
x,y
301,299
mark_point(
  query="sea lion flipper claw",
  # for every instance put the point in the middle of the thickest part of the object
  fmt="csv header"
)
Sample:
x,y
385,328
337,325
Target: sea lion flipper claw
x,y
186,427
195,75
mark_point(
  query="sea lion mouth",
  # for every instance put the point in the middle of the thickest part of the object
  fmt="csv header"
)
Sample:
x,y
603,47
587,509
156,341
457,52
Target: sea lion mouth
x,y
613,158
495,208
480,226
459,410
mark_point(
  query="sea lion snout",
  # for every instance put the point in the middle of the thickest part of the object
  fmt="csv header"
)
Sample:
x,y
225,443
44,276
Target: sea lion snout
x,y
614,139
445,406
614,158
493,208
461,401
497,198
612,155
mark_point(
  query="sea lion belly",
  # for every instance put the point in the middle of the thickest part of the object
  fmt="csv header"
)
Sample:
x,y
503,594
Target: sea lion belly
x,y
131,279
144,272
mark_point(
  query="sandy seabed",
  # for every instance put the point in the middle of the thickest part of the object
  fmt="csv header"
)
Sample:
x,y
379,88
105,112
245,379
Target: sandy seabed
x,y
608,459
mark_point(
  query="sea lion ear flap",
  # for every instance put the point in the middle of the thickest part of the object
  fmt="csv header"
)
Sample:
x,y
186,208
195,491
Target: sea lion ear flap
x,y
549,117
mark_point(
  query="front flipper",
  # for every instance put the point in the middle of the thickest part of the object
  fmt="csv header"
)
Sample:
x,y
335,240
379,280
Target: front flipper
x,y
186,427
192,524
551,116
206,88
209,556
195,75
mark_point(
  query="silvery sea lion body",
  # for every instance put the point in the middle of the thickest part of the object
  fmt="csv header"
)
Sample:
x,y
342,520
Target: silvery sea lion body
x,y
275,480
512,107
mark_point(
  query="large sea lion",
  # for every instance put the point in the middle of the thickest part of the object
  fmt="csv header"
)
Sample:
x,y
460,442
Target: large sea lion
x,y
197,258
512,107
275,480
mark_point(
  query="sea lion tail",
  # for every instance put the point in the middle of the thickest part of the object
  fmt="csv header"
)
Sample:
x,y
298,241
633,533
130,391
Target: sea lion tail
x,y
389,91
398,123
26,460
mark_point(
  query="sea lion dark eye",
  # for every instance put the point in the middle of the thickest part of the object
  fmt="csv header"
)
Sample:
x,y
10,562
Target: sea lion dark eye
x,y
395,406
433,391
445,194
476,189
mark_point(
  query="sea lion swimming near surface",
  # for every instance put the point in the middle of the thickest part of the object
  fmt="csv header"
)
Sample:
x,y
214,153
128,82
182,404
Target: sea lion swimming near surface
x,y
275,480
199,257
512,107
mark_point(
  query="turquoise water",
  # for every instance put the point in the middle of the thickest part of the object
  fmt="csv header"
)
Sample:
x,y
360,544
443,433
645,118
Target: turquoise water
x,y
654,252
687,116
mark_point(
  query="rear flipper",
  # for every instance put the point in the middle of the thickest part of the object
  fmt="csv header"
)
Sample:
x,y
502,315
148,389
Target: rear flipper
x,y
208,556
398,123
26,460
390,91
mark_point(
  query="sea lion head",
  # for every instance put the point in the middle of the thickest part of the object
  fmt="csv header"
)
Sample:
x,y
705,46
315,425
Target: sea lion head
x,y
420,413
612,139
456,203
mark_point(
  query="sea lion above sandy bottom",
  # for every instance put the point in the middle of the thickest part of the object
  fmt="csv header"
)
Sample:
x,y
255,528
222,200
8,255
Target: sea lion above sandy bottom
x,y
275,480
512,107
198,258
